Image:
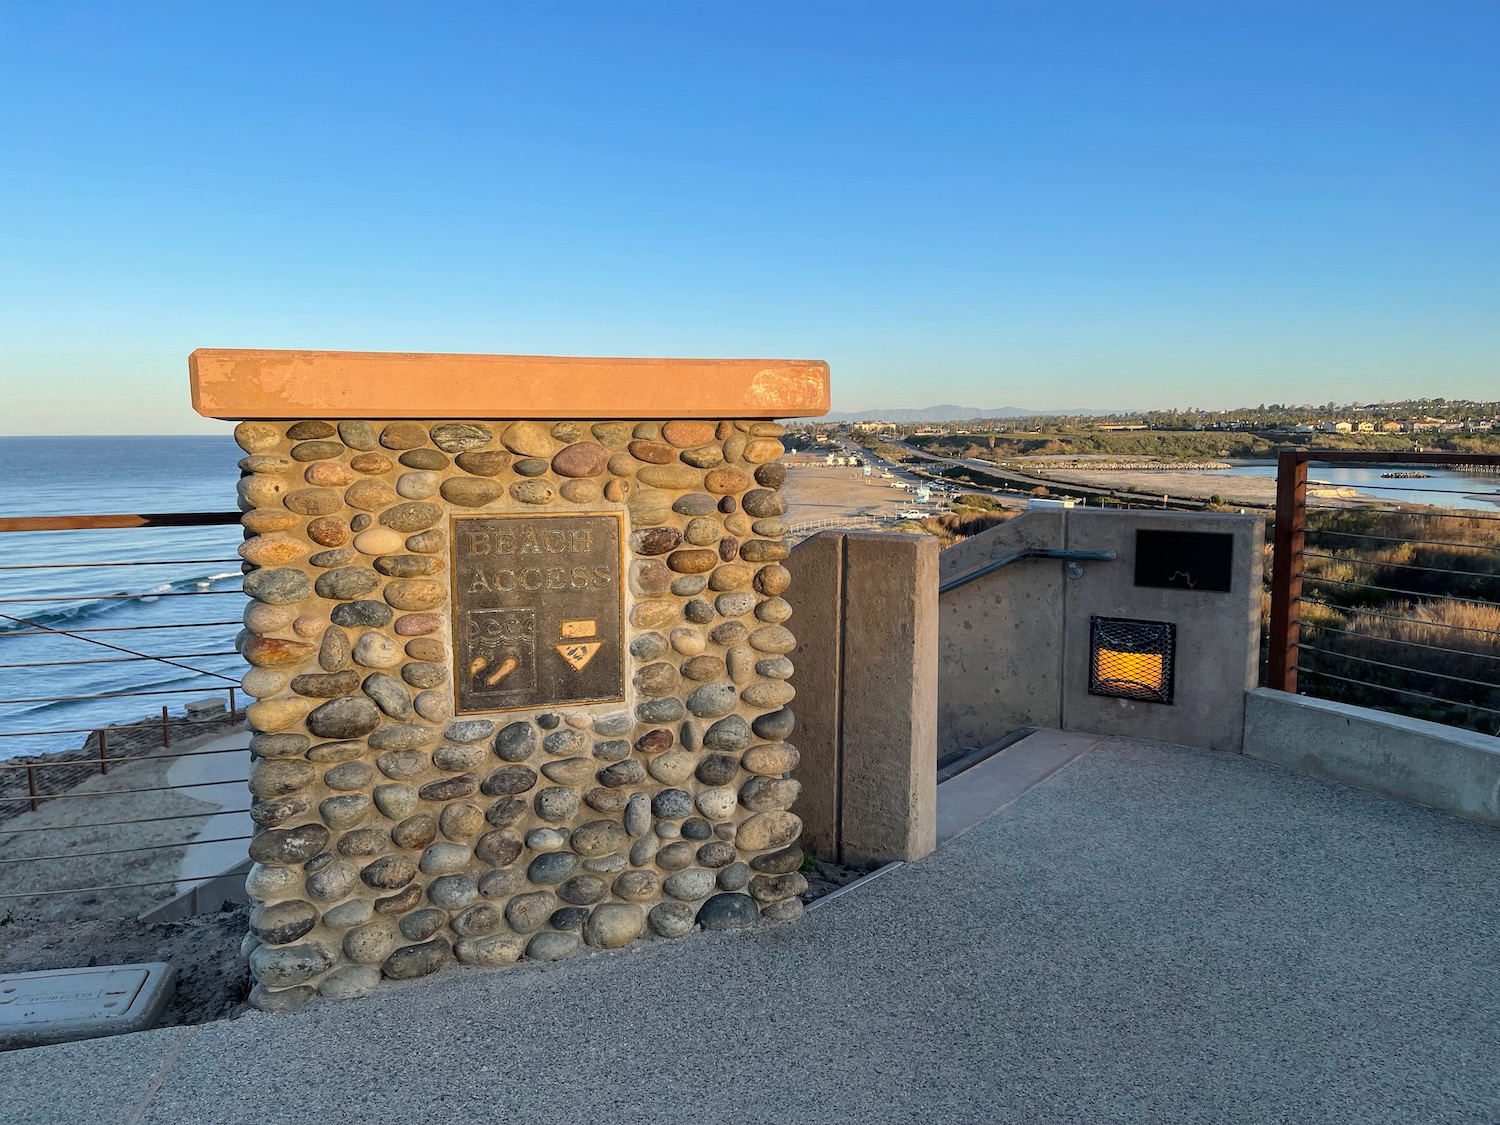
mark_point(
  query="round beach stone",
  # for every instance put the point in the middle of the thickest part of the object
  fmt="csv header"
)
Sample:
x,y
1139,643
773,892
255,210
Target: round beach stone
x,y
716,803
768,830
453,892
614,924
581,459
274,813
620,774
573,771
459,437
579,491
672,804
417,625
703,457
277,777
671,919
774,610
484,463
471,492
449,788
418,515
668,710
735,877
279,745
443,858
532,492
403,435
527,913
774,888
415,831
434,706
637,886
429,542
556,803
568,918
508,780
389,872
669,477
401,901
617,490
256,437
395,801
656,679
692,561
775,725
686,434
726,481
762,551
649,646
506,811
424,460
565,742
498,848
316,451
730,576
275,652
372,464
265,882
716,854
348,776
465,730
690,885
275,714
264,520
376,650
776,639
388,694
529,439
412,961
399,765
287,965
415,593
672,768
272,550
362,842
287,846
422,674
735,604
606,801
354,615
652,452
711,701
491,951
767,694
457,759
480,919
763,794
284,922
655,540
277,586
599,837
730,911
371,943
582,890
649,578
417,485
698,611
730,733
515,743
260,617
328,560
551,945
334,882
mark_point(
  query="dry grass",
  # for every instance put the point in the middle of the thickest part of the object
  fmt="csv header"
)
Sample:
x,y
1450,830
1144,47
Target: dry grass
x,y
954,527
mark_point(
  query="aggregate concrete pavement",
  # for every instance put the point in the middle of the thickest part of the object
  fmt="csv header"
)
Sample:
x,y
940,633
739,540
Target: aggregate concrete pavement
x,y
1152,934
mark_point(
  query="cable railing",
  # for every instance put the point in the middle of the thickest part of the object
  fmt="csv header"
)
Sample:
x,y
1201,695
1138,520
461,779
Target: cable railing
x,y
1391,607
123,753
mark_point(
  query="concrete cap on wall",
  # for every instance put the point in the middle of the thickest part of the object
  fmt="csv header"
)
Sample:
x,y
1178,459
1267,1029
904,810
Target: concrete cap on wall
x,y
233,383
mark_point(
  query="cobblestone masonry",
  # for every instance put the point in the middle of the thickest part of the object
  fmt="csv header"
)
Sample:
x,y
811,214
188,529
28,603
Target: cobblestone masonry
x,y
395,836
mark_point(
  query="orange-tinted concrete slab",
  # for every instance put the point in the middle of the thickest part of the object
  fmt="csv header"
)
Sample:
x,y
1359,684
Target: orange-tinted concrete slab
x,y
237,384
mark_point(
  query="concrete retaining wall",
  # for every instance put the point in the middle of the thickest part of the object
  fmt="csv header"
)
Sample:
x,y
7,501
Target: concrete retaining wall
x,y
1013,647
1455,770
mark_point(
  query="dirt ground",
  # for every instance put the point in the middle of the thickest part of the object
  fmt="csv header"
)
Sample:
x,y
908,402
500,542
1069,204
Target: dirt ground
x,y
212,978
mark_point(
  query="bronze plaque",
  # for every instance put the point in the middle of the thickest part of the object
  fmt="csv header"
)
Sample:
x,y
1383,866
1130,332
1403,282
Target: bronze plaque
x,y
538,611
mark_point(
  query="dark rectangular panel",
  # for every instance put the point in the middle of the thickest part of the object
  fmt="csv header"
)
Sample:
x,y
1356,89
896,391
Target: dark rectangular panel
x,y
1184,560
538,611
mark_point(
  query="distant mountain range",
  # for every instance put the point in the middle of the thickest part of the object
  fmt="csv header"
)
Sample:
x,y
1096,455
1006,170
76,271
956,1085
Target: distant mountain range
x,y
946,413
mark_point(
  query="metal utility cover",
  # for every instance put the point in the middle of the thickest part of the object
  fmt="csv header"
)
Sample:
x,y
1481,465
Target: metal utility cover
x,y
57,1005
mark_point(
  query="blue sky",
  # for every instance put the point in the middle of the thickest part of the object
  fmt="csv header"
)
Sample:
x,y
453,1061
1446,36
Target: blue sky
x,y
1032,204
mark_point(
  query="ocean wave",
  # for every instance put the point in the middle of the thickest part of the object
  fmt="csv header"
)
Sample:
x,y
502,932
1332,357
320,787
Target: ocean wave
x,y
94,608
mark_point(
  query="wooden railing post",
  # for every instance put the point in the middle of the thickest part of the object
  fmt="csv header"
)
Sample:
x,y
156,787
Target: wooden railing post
x,y
166,734
31,785
103,751
1286,569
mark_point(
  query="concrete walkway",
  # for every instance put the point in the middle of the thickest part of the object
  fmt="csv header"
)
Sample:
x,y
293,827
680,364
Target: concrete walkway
x,y
1150,934
213,762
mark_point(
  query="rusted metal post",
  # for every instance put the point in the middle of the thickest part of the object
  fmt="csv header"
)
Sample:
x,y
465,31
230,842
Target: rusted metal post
x,y
166,734
103,751
1286,569
31,785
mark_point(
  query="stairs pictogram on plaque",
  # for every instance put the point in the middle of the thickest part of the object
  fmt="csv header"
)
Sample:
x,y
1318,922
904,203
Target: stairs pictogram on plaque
x,y
579,653
574,649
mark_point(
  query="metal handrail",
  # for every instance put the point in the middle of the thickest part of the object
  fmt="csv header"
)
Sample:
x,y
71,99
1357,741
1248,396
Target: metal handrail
x,y
1028,553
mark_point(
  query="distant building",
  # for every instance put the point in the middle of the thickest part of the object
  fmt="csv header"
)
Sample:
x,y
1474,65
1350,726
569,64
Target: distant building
x,y
1337,428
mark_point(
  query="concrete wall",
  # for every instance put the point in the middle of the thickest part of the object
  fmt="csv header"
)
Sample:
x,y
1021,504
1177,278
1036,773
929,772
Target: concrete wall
x,y
1013,647
1455,770
866,683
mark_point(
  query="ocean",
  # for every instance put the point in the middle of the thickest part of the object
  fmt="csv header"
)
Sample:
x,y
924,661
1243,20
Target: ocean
x,y
174,592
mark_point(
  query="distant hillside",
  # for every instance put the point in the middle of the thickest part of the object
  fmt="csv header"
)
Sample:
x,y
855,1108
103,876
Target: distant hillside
x,y
946,413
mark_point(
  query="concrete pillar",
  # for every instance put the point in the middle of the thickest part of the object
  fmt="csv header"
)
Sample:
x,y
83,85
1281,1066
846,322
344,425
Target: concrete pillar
x,y
867,695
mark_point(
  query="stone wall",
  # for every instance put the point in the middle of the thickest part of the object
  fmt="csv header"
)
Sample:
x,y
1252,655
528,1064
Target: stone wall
x,y
396,836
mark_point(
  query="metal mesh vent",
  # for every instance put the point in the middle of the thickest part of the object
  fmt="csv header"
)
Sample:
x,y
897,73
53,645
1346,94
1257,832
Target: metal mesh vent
x,y
1131,659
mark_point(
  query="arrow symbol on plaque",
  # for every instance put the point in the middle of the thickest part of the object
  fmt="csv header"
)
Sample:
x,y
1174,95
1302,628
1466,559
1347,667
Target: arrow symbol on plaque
x,y
579,653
